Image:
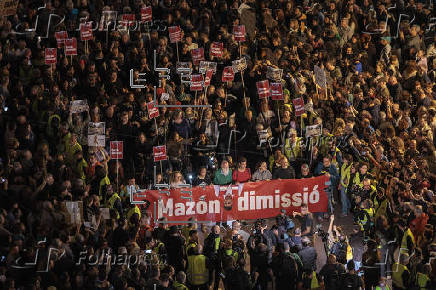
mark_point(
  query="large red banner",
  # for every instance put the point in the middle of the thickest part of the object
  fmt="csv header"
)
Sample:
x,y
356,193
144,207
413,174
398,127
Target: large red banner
x,y
251,200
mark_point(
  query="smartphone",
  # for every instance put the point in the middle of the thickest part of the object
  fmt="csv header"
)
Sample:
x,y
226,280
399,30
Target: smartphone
x,y
147,251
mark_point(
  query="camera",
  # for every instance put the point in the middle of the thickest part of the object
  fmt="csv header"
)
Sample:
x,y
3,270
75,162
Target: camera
x,y
321,233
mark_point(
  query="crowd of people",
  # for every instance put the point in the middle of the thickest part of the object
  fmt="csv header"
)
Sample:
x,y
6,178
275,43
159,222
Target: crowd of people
x,y
376,111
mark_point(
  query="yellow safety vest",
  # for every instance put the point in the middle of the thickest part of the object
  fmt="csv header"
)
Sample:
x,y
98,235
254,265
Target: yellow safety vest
x,y
349,252
293,152
365,220
104,181
133,210
314,284
422,280
404,248
380,208
380,288
397,274
190,246
232,254
111,203
334,160
345,174
217,244
179,286
197,272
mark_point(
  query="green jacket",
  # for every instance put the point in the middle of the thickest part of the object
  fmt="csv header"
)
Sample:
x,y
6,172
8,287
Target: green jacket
x,y
221,179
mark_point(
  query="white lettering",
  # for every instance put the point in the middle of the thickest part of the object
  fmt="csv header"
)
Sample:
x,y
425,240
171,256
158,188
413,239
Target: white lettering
x,y
190,205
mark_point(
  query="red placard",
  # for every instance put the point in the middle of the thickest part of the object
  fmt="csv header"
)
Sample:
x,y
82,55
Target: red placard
x,y
239,32
175,34
208,77
116,150
71,46
153,111
263,89
159,153
228,74
196,82
298,106
276,91
197,55
128,19
251,200
51,55
60,37
86,31
146,14
216,49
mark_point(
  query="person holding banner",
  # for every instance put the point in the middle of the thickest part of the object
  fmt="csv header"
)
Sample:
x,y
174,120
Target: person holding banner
x,y
242,173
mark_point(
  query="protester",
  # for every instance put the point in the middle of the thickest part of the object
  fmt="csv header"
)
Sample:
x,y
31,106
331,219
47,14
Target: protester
x,y
357,107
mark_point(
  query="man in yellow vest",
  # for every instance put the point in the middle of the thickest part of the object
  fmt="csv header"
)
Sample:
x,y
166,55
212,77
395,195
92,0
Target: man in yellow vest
x,y
408,242
293,150
179,284
134,215
197,270
381,204
347,162
365,216
382,285
400,273
192,242
423,280
114,202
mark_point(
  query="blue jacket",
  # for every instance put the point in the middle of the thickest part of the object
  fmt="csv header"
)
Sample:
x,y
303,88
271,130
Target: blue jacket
x,y
334,176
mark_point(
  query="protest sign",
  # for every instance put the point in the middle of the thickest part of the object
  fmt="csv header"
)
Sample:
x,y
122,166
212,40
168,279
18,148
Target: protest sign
x,y
107,19
208,77
197,55
50,56
239,33
315,130
263,89
274,74
217,49
298,106
61,36
79,106
146,14
207,65
96,134
128,19
245,201
228,74
277,91
116,150
153,111
175,34
86,31
71,46
239,65
159,153
196,82
75,212
320,77
8,7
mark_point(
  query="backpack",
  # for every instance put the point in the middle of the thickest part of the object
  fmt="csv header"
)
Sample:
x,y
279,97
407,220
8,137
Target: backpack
x,y
350,281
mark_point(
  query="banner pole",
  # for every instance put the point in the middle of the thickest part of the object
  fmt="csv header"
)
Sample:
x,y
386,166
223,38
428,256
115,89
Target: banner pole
x,y
158,143
301,125
117,175
242,74
225,92
177,49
